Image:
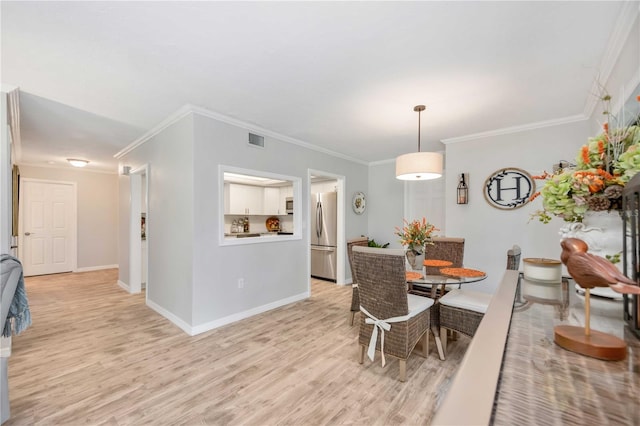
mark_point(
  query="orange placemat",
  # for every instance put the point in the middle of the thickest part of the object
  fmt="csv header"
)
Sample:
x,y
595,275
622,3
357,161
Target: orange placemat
x,y
436,262
413,275
462,272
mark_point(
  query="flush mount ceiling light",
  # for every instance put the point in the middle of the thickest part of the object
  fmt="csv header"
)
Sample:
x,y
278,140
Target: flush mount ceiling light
x,y
77,163
419,165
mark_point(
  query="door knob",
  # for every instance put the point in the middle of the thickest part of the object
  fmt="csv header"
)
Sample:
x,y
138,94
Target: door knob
x,y
27,233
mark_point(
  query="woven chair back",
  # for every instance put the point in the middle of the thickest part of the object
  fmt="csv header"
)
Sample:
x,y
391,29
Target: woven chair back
x,y
362,242
513,258
445,248
382,282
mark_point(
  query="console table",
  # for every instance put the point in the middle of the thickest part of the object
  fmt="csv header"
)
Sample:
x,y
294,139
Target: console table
x,y
513,372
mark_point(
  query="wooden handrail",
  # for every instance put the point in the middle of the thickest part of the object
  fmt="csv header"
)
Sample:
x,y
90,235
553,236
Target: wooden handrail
x,y
471,395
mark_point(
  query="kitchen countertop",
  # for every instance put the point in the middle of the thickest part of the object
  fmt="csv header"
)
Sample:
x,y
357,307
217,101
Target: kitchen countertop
x,y
256,234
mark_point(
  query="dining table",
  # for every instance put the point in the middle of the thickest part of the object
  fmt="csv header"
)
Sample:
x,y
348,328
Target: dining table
x,y
438,283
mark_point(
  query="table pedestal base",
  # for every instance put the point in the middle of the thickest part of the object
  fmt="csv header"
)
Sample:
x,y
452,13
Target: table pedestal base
x,y
596,344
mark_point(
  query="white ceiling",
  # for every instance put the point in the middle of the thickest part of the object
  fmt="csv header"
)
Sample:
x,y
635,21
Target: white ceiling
x,y
345,76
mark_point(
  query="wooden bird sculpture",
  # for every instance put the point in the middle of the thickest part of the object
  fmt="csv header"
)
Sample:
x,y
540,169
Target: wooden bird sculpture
x,y
591,271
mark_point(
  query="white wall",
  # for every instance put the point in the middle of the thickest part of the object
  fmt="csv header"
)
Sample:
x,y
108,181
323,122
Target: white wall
x,y
385,204
170,221
5,178
490,232
97,212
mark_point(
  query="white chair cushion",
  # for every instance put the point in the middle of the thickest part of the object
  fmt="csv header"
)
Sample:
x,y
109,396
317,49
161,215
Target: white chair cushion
x,y
467,299
418,304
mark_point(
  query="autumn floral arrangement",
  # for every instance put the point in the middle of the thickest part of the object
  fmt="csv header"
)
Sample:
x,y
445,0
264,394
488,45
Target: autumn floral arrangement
x,y
416,234
603,167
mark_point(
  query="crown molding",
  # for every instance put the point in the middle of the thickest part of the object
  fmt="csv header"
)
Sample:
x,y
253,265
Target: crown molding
x,y
13,117
517,129
381,162
622,29
266,132
171,119
192,109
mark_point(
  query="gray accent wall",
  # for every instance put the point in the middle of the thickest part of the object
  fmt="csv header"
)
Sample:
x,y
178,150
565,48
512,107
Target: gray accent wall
x,y
190,275
170,227
124,194
272,272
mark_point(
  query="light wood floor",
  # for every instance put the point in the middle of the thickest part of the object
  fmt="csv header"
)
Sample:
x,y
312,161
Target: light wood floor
x,y
97,355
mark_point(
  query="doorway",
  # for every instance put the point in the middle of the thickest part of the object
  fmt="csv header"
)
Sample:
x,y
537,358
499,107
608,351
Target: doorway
x,y
48,226
325,182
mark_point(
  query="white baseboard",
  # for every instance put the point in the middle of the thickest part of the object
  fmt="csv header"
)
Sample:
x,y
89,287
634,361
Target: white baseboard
x,y
124,286
171,317
96,268
202,328
246,314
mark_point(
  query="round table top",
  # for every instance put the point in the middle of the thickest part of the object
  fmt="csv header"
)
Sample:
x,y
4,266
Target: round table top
x,y
412,276
437,263
446,279
462,272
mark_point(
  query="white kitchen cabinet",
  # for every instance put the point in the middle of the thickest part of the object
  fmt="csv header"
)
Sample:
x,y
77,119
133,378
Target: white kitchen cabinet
x,y
245,199
227,204
271,205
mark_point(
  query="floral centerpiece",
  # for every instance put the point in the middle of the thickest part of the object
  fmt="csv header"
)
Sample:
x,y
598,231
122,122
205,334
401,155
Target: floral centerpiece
x,y
603,167
415,236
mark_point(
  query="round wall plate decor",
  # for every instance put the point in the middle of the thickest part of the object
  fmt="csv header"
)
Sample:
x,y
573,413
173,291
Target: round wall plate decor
x,y
509,188
358,203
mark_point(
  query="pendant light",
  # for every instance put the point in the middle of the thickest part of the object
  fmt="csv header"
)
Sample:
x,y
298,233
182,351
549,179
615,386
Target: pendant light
x,y
419,165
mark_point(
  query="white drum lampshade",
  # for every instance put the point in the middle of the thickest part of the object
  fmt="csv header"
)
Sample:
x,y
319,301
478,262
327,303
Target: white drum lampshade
x,y
419,166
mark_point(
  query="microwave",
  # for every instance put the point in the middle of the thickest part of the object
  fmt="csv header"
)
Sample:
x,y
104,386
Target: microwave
x,y
289,205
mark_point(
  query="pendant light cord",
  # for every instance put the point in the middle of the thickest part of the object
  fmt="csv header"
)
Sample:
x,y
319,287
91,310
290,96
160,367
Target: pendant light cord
x,y
419,112
419,109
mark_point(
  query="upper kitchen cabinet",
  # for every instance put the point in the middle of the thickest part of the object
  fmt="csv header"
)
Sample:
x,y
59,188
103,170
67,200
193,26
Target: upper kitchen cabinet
x,y
245,199
271,201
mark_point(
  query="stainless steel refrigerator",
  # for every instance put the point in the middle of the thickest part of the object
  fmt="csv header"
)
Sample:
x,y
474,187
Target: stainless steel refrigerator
x,y
324,235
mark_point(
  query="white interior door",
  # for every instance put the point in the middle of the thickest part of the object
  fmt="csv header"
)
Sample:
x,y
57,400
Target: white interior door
x,y
48,227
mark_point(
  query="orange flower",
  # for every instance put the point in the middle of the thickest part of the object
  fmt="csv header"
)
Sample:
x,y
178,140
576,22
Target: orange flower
x,y
605,126
600,147
542,176
585,154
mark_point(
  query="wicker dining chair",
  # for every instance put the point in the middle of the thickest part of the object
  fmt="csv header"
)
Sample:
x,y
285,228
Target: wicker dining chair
x,y
392,321
462,310
355,299
443,248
